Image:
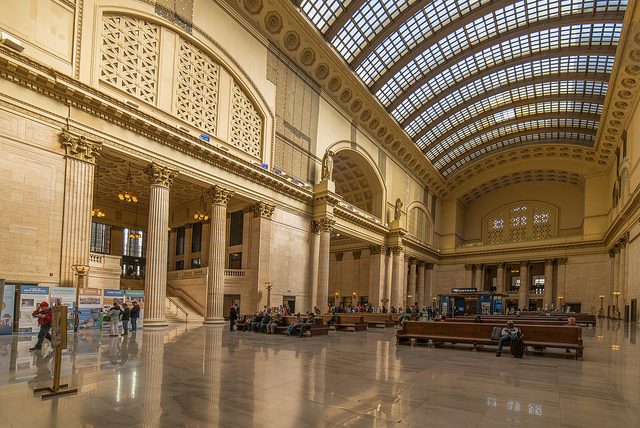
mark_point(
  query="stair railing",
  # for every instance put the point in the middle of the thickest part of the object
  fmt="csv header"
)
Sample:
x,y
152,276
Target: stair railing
x,y
179,308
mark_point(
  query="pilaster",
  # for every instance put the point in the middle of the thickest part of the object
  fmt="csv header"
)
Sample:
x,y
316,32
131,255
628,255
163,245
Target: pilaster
x,y
523,298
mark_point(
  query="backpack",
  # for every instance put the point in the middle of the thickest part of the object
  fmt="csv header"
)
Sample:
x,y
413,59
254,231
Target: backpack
x,y
496,333
517,347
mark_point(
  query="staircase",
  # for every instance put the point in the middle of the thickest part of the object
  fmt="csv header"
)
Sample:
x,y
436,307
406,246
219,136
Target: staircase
x,y
176,310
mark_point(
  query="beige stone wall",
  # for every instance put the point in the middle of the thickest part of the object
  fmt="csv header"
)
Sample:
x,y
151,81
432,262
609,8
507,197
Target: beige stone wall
x,y
349,275
586,277
32,169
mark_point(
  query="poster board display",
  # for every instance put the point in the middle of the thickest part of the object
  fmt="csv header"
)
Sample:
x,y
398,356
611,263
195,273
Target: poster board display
x,y
30,297
89,308
131,296
6,314
110,297
67,297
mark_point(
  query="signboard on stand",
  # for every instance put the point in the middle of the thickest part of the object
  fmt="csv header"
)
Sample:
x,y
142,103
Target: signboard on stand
x,y
6,314
66,297
89,308
30,297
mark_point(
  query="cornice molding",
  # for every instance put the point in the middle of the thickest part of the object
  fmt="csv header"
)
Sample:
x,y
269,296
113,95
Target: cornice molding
x,y
344,214
43,80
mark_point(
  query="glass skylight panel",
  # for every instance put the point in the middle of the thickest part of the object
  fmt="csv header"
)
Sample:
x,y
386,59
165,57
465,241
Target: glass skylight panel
x,y
323,12
511,75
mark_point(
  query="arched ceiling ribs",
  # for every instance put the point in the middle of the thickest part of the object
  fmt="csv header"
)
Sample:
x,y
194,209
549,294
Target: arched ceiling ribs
x,y
342,19
553,53
412,10
550,141
585,18
535,117
519,103
596,77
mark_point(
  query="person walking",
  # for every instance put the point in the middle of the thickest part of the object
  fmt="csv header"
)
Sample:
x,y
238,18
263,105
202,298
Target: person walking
x,y
43,313
135,314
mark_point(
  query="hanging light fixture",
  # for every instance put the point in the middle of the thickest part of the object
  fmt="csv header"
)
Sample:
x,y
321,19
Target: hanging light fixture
x,y
135,233
97,212
201,214
127,193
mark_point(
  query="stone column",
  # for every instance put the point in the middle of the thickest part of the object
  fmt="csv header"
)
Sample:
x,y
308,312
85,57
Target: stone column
x,y
500,280
325,226
161,179
612,281
412,281
477,283
80,162
562,273
523,298
260,262
622,281
314,252
376,274
468,276
405,282
388,277
397,277
421,285
217,244
548,283
429,288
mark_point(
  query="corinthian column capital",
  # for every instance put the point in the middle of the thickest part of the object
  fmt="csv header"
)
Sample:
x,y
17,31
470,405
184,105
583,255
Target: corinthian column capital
x,y
326,225
160,175
78,147
219,195
262,209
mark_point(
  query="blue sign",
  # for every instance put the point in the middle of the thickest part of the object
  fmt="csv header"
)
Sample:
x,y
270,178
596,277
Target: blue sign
x,y
204,137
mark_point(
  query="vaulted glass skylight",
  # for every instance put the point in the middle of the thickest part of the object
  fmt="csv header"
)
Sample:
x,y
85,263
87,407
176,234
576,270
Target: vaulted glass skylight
x,y
448,70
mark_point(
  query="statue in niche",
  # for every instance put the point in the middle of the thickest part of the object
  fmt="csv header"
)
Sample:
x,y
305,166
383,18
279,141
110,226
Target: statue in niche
x,y
398,210
327,166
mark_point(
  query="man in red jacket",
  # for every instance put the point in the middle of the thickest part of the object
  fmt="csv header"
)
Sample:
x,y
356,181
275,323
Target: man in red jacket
x,y
43,313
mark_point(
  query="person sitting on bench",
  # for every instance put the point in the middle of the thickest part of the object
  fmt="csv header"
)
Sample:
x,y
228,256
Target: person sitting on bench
x,y
508,333
333,320
292,327
311,321
276,321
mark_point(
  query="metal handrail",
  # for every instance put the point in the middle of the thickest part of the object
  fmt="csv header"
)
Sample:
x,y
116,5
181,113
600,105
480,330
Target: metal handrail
x,y
186,314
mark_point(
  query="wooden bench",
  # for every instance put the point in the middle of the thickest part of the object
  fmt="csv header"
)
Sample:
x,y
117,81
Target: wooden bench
x,y
347,322
378,320
522,321
567,337
319,329
589,319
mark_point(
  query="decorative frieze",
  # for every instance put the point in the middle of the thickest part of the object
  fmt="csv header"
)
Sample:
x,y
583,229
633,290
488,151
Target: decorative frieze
x,y
219,195
78,147
262,209
160,175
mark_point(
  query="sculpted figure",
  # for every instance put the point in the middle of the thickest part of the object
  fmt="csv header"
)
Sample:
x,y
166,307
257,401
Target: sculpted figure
x,y
327,166
398,211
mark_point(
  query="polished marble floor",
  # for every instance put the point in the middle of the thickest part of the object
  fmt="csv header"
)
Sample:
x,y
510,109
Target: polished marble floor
x,y
197,376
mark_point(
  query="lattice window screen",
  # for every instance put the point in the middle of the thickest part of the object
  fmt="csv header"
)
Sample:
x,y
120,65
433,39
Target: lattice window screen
x,y
496,229
541,223
129,55
197,89
419,225
518,224
246,123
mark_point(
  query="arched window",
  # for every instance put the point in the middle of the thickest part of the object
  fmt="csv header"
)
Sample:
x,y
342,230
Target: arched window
x,y
419,224
524,221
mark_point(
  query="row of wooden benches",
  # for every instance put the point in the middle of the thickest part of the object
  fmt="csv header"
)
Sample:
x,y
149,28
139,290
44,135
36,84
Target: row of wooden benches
x,y
351,322
534,335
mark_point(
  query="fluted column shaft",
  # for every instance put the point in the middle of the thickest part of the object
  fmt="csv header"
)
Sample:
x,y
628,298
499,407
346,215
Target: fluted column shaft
x,y
622,281
80,160
412,282
500,279
313,267
421,285
397,277
612,281
524,285
477,282
388,286
217,242
323,264
161,179
548,283
376,274
562,272
429,289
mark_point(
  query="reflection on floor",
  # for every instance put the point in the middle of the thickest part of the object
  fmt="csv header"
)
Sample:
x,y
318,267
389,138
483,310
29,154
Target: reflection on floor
x,y
205,376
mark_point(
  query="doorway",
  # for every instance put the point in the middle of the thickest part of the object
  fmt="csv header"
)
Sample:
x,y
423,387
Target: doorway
x,y
470,306
229,300
291,301
535,304
634,310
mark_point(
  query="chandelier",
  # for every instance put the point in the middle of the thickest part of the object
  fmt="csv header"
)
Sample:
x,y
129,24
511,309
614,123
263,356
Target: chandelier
x,y
97,212
135,233
201,214
127,194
